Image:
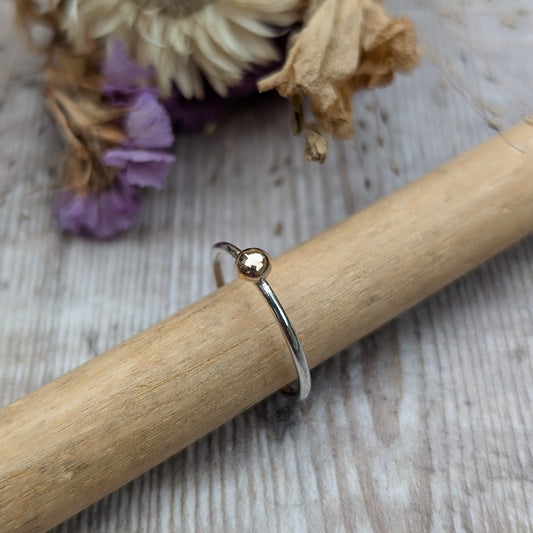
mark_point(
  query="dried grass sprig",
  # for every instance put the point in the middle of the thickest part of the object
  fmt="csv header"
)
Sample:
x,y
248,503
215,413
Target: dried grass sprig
x,y
73,95
90,126
30,15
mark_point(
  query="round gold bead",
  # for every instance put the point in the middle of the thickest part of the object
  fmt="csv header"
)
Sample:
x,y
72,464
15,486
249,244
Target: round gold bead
x,y
253,264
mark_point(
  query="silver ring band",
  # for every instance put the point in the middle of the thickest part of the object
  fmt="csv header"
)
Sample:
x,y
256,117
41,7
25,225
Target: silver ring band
x,y
254,264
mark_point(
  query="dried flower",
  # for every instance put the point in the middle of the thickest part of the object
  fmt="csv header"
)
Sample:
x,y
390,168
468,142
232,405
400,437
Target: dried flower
x,y
147,124
144,168
345,45
202,55
89,125
316,143
121,75
114,140
38,21
193,114
100,214
218,40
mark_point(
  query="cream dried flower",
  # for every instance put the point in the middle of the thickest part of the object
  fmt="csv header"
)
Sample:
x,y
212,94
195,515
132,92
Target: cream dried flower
x,y
345,45
185,39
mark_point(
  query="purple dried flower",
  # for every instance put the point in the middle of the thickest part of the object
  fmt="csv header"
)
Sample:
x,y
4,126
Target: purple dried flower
x,y
100,214
147,128
144,168
147,124
121,74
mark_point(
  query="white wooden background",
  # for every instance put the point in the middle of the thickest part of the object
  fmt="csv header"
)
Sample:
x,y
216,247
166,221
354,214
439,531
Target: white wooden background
x,y
426,425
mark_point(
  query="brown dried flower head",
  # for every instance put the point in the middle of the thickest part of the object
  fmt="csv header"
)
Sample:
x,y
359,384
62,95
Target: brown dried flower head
x,y
88,124
345,45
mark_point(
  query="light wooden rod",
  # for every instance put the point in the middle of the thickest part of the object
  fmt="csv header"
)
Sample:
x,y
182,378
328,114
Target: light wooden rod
x,y
94,429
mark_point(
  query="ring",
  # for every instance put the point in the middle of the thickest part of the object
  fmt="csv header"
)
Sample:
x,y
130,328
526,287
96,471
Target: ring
x,y
254,264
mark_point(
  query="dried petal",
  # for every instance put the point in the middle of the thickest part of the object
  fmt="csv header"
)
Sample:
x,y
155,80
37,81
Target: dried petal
x,y
147,124
100,214
143,168
316,143
120,72
346,45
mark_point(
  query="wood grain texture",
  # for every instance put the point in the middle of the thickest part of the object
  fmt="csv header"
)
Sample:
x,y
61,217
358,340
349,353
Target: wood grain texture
x,y
89,432
425,425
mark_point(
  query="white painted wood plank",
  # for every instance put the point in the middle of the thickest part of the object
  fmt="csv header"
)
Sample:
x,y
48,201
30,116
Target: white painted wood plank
x,y
425,425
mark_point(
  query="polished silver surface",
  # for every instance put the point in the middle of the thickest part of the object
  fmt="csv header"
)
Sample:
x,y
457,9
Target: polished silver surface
x,y
254,264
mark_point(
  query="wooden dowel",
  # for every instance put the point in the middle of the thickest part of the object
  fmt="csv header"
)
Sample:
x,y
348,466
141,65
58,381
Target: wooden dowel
x,y
92,430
